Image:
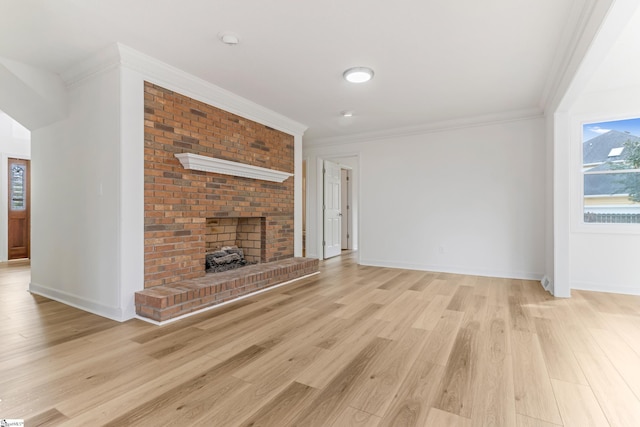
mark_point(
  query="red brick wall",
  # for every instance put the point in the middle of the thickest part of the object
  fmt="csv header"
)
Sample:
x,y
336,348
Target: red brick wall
x,y
178,201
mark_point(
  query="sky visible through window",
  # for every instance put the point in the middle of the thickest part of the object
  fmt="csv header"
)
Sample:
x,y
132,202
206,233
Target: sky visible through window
x,y
592,130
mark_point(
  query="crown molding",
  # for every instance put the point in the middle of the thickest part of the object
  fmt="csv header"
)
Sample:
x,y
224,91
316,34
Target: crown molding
x,y
432,127
226,167
172,78
565,56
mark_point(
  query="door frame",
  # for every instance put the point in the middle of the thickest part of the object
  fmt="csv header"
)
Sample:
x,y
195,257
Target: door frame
x,y
4,205
346,206
315,223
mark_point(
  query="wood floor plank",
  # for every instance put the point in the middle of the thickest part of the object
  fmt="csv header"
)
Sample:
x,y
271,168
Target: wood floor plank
x,y
584,310
622,357
52,417
438,418
66,381
351,417
460,298
361,300
442,337
397,281
403,318
456,393
325,409
619,404
238,313
432,312
422,282
524,421
520,320
411,404
283,409
533,391
559,359
626,327
494,403
384,376
335,330
191,398
445,285
475,312
482,286
574,331
283,362
578,406
163,383
398,306
261,333
319,373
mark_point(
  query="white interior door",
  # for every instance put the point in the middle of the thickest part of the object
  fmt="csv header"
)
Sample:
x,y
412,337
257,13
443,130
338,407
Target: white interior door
x,y
332,213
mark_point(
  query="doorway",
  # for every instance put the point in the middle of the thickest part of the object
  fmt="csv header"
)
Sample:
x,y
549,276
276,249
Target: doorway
x,y
19,209
346,200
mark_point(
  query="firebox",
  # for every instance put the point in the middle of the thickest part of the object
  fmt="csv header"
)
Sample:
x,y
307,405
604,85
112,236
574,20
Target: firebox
x,y
247,233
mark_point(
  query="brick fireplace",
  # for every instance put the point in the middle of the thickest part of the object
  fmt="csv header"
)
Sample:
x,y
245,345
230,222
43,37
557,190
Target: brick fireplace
x,y
188,212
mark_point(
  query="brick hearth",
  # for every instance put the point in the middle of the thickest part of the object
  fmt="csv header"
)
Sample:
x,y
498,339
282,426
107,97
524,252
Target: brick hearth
x,y
162,303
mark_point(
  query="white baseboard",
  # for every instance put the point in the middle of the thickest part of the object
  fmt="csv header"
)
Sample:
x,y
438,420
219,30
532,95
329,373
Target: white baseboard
x,y
599,287
454,270
113,313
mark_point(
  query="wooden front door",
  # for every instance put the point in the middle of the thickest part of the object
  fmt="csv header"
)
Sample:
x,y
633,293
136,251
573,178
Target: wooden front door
x,y
19,233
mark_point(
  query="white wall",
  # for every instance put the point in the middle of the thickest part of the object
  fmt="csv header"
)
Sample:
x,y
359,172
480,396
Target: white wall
x,y
467,200
601,83
15,141
598,27
76,200
603,257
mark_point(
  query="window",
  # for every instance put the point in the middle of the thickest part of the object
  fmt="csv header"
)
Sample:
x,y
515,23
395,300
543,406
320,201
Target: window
x,y
616,151
17,185
611,171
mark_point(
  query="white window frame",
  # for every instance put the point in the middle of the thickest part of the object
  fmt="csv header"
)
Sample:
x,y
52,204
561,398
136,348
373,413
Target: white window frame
x,y
577,182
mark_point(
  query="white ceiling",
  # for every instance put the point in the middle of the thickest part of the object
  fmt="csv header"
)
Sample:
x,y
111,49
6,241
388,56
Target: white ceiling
x,y
434,60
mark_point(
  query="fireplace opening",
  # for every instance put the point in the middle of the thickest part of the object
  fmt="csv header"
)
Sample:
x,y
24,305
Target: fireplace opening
x,y
234,242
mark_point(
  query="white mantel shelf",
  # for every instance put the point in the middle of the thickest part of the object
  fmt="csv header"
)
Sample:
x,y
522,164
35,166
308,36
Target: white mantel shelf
x,y
226,167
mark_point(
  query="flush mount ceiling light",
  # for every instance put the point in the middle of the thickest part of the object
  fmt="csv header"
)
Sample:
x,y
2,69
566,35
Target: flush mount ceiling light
x,y
358,74
346,113
229,38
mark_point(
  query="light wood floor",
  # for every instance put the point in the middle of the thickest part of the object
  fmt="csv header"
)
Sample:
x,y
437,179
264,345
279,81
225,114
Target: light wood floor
x,y
354,346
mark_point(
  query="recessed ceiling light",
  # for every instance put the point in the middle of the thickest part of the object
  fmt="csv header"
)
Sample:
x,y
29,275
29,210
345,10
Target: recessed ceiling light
x,y
346,113
229,38
358,74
